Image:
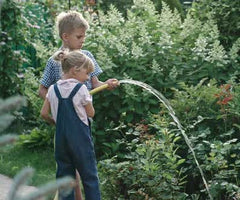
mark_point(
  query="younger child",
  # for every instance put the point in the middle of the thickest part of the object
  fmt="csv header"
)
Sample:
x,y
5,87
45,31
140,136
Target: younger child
x,y
70,104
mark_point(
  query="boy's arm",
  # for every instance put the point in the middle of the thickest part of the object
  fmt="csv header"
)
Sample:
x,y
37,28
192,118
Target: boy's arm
x,y
45,112
89,110
42,91
51,74
112,82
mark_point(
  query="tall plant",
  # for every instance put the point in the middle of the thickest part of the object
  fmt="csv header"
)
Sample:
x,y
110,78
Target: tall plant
x,y
158,49
12,41
225,13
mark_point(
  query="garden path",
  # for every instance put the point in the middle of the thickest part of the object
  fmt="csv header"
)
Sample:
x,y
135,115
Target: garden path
x,y
5,185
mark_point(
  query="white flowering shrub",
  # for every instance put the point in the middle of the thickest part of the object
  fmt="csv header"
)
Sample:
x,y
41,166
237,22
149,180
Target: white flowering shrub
x,y
158,49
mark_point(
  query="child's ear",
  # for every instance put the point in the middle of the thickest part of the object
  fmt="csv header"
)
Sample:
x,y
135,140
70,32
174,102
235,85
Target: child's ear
x,y
65,37
75,70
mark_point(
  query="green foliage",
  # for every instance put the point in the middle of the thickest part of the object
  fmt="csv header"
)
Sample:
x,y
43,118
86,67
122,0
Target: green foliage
x,y
43,53
207,114
40,31
43,134
20,29
195,104
38,135
12,40
158,49
38,138
58,6
205,103
225,13
30,90
152,170
234,105
40,23
223,164
124,6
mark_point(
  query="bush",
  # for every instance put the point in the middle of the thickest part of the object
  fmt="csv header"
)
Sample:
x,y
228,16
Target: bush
x,y
38,134
157,49
41,29
152,170
124,6
208,117
12,41
226,15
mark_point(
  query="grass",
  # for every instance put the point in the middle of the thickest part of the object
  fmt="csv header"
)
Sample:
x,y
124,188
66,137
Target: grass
x,y
13,159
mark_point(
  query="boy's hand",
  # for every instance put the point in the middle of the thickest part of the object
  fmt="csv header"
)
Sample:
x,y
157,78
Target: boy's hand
x,y
112,83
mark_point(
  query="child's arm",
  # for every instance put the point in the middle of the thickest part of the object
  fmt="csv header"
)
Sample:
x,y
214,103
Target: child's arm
x,y
112,82
50,76
45,112
42,91
89,110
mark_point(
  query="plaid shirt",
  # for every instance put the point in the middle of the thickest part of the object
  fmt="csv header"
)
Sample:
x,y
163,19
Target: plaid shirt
x,y
53,71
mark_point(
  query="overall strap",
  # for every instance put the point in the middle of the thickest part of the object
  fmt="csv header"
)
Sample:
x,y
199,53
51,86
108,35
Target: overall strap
x,y
57,91
75,89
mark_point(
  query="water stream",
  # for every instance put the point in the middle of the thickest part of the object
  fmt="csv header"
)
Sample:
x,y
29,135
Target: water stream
x,y
166,103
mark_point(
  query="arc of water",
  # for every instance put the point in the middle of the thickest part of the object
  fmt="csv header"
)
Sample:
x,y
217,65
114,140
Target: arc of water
x,y
166,103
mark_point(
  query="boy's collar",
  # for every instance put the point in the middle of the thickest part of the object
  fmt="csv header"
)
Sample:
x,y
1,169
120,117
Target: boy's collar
x,y
63,48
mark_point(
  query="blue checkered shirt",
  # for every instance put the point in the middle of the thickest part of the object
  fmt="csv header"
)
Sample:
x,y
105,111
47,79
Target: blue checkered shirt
x,y
53,71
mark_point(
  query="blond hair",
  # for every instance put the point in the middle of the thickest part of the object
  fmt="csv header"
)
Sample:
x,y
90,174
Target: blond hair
x,y
76,59
67,22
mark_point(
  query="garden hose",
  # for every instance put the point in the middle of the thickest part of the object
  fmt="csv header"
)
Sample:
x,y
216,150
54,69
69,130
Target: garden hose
x,y
98,89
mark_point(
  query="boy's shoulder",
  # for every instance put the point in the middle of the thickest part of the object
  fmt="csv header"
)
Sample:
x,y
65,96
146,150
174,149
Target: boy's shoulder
x,y
87,53
52,62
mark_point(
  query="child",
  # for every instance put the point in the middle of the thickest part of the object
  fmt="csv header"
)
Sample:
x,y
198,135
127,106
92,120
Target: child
x,y
72,29
70,104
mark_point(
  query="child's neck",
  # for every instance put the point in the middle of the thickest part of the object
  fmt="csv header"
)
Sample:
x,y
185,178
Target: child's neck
x,y
65,46
68,76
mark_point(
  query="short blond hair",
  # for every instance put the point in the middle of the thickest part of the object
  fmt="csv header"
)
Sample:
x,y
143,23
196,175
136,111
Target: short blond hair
x,y
67,22
76,59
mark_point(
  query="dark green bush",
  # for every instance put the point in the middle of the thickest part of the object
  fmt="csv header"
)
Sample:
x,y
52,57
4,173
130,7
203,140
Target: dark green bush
x,y
41,29
152,170
226,15
22,24
209,116
12,41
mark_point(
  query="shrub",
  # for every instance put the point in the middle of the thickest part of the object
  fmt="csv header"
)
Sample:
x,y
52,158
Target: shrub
x,y
124,6
157,49
12,41
226,15
206,112
41,29
38,134
152,170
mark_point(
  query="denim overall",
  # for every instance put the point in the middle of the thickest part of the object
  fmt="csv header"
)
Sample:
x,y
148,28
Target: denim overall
x,y
74,148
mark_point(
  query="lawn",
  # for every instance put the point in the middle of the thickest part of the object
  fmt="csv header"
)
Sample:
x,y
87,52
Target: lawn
x,y
13,159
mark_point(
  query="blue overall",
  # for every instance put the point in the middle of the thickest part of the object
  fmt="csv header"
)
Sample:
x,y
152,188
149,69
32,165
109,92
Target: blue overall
x,y
74,148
